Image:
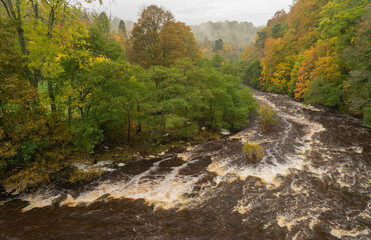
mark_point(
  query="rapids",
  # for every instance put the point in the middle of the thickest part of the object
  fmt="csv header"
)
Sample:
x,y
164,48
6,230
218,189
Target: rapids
x,y
313,183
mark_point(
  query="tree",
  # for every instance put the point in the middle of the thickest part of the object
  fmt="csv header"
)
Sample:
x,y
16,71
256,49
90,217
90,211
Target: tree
x,y
103,23
218,45
322,92
122,27
357,56
32,143
267,118
15,13
158,40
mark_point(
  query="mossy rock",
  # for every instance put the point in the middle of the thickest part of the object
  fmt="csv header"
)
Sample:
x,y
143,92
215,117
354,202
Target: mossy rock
x,y
253,153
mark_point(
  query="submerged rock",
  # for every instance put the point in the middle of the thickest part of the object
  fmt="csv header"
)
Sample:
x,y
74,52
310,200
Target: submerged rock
x,y
196,189
194,194
185,195
62,200
229,177
104,197
81,204
16,204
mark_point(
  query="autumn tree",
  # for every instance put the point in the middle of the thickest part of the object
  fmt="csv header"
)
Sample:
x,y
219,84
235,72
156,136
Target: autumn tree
x,y
158,40
32,143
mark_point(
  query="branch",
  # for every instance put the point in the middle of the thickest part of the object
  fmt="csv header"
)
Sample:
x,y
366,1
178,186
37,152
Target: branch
x,y
6,8
11,10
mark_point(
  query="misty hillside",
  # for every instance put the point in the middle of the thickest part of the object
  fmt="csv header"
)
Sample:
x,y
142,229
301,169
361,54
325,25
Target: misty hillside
x,y
235,35
233,32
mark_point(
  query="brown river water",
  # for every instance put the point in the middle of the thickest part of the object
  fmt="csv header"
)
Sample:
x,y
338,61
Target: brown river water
x,y
313,183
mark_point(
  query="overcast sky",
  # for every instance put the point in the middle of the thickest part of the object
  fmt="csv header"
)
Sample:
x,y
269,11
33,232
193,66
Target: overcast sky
x,y
198,11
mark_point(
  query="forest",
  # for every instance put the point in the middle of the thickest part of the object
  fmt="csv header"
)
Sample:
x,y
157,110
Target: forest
x,y
319,53
70,85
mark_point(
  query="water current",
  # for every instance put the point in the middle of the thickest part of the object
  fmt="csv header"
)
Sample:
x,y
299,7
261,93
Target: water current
x,y
313,183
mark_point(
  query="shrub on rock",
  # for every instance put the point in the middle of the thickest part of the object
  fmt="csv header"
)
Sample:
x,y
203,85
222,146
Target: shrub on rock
x,y
253,152
267,118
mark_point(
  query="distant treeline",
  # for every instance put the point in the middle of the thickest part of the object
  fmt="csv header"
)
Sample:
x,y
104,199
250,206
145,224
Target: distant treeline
x,y
235,36
318,52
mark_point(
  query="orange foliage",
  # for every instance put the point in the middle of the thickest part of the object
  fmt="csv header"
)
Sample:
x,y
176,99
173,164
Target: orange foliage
x,y
158,40
318,62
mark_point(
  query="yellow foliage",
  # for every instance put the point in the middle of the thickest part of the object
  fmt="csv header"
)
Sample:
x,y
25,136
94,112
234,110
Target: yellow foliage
x,y
253,152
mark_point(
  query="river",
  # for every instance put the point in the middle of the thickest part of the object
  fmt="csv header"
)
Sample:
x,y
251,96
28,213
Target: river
x,y
313,183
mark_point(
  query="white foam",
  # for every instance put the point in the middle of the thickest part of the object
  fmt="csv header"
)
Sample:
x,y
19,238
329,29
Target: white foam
x,y
339,233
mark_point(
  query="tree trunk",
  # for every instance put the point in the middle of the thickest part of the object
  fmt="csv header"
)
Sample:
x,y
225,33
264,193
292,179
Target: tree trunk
x,y
22,40
129,126
211,115
153,129
69,110
15,14
138,119
51,95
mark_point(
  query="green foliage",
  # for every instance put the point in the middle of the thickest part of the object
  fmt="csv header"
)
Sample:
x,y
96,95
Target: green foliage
x,y
276,30
253,152
103,24
339,17
357,56
218,45
267,118
100,45
253,73
87,135
367,116
218,61
321,92
261,38
122,27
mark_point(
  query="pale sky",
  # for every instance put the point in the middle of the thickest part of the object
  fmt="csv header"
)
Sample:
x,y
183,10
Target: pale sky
x,y
196,11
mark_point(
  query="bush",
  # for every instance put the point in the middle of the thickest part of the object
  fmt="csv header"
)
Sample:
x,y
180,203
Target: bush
x,y
253,152
267,118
